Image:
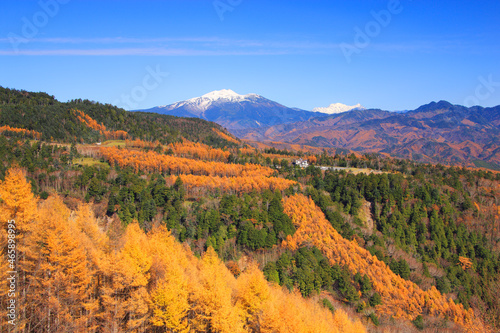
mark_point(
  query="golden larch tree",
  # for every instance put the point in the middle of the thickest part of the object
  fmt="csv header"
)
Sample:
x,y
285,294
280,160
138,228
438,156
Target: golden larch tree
x,y
17,209
213,306
170,301
252,293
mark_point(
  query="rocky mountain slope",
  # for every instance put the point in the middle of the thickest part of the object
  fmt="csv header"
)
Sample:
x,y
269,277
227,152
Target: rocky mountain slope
x,y
235,111
436,132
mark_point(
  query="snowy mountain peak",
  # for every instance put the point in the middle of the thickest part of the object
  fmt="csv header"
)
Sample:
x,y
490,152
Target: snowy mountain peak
x,y
235,111
198,105
224,93
338,108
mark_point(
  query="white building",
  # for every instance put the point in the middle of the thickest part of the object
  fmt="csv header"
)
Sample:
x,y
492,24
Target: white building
x,y
301,163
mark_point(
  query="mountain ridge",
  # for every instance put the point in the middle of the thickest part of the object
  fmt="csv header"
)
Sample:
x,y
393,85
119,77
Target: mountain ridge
x,y
434,132
37,112
234,111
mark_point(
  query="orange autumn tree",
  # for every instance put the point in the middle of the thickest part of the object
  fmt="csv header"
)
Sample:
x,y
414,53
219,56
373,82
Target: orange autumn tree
x,y
170,301
62,279
6,129
136,258
74,278
225,136
124,295
253,292
465,262
186,148
233,184
138,143
290,312
312,159
91,123
17,200
88,121
214,305
248,151
54,290
170,270
198,150
151,161
17,205
401,298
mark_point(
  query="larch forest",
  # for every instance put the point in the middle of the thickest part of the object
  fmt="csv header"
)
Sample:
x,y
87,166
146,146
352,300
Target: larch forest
x,y
139,222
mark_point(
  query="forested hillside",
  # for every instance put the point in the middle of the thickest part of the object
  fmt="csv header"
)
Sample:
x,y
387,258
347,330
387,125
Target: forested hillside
x,y
179,230
74,278
60,122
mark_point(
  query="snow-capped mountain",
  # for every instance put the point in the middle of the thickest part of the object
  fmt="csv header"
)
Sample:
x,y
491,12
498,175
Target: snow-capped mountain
x,y
338,108
198,105
235,111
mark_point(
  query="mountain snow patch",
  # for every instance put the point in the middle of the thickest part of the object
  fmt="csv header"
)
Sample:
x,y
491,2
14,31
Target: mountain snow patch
x,y
338,108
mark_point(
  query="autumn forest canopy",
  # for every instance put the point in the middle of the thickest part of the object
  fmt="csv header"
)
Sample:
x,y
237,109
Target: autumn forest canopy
x,y
139,222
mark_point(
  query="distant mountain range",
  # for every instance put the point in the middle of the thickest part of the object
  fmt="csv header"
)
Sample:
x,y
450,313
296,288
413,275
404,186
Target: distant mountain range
x,y
235,111
435,132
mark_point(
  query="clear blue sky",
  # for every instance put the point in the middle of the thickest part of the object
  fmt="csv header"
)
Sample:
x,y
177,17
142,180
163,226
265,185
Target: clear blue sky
x,y
293,52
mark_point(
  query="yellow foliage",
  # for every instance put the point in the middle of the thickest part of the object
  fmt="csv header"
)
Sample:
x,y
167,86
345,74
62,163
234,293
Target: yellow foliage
x,y
213,303
465,262
401,298
137,308
91,123
151,161
343,324
17,200
252,292
238,184
290,312
198,150
72,280
135,257
225,136
94,239
33,134
170,298
170,301
62,276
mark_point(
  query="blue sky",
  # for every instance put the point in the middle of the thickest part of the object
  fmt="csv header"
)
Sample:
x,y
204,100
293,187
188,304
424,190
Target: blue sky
x,y
392,54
